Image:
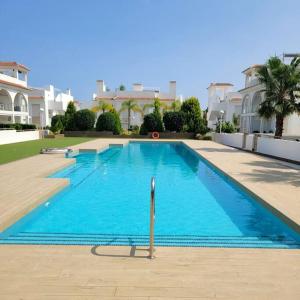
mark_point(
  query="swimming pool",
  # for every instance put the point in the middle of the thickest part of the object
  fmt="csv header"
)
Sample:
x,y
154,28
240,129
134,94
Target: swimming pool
x,y
107,203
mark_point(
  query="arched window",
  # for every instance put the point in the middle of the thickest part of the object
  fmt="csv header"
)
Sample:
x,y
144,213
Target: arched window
x,y
20,103
5,100
246,105
256,102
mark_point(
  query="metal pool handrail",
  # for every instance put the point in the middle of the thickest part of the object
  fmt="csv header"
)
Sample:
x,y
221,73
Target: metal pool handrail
x,y
152,217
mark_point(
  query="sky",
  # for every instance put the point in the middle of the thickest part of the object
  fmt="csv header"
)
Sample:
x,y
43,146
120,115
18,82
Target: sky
x,y
71,44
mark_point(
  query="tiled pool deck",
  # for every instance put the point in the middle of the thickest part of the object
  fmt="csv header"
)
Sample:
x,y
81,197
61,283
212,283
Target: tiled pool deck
x,y
80,272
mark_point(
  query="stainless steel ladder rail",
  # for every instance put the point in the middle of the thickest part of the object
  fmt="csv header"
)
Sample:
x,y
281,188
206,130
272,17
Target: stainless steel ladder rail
x,y
152,217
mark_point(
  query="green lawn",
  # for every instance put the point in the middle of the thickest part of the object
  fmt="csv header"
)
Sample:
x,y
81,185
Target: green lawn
x,y
16,151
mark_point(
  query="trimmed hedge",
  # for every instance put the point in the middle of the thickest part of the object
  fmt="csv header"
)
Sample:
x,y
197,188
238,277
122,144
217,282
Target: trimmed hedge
x,y
174,121
57,118
84,119
106,122
152,122
109,121
18,126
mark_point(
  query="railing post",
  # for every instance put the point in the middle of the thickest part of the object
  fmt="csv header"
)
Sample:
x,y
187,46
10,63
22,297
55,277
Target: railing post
x,y
152,217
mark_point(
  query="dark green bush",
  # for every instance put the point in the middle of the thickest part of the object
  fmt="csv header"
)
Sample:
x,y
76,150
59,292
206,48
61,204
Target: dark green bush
x,y
152,123
106,122
57,127
174,121
227,127
143,130
84,119
28,126
55,119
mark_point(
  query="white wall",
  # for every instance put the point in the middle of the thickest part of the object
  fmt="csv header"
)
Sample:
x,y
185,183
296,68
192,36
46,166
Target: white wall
x,y
280,148
13,136
286,149
230,139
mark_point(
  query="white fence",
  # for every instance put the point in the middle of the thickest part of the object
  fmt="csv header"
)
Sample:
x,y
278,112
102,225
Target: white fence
x,y
280,148
13,136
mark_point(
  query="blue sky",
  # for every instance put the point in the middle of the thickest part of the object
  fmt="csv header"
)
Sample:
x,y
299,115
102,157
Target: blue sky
x,y
195,42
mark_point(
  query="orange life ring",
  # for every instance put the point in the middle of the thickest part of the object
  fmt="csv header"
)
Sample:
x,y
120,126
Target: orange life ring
x,y
155,135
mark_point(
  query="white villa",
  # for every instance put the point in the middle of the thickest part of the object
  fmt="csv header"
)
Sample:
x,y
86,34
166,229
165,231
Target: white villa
x,y
142,95
221,97
253,95
44,103
14,93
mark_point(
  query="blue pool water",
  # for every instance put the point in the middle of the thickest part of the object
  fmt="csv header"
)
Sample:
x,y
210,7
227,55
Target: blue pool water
x,y
107,203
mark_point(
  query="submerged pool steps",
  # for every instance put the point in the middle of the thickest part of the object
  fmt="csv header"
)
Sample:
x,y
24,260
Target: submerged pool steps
x,y
143,240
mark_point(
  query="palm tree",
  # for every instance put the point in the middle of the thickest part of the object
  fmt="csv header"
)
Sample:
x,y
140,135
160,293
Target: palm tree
x,y
102,106
130,105
282,86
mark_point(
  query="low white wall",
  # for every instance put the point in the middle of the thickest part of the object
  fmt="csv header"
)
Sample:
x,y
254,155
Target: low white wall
x,y
249,142
280,148
230,139
13,136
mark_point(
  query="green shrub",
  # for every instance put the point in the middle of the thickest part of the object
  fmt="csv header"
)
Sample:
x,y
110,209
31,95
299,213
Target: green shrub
x,y
152,123
143,130
174,121
18,126
106,122
57,127
57,118
118,127
135,129
227,127
84,119
28,126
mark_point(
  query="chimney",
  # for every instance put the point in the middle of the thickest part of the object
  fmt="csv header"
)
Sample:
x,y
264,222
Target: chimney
x,y
172,88
100,87
68,92
137,87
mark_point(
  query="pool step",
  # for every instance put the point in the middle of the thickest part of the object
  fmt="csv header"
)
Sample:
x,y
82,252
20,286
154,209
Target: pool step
x,y
143,240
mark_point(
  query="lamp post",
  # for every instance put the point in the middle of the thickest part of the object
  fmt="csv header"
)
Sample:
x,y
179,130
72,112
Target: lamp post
x,y
221,119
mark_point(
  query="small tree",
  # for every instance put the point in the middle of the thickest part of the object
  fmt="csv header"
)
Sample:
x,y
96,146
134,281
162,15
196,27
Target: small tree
x,y
69,116
157,114
193,118
84,119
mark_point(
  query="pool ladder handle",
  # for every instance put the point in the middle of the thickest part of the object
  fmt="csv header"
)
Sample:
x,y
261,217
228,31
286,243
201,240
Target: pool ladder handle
x,y
152,218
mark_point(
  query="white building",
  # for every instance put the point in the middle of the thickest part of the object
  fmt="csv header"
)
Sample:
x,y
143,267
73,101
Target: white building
x,y
44,103
222,98
13,93
252,96
140,94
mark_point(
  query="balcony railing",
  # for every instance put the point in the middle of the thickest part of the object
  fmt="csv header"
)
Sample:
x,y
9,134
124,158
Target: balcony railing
x,y
20,108
6,107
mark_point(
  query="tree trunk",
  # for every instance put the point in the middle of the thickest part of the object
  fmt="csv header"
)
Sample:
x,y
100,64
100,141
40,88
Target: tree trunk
x,y
128,119
279,127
